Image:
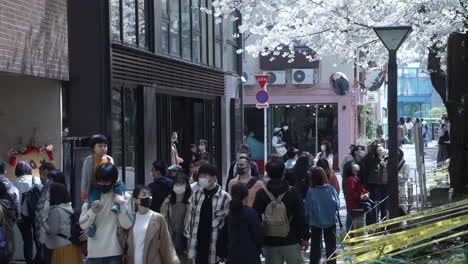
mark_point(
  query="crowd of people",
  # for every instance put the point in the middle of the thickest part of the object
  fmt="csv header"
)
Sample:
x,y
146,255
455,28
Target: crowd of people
x,y
186,216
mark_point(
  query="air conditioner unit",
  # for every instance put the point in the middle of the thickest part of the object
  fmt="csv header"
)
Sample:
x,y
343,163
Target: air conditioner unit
x,y
249,78
303,76
276,77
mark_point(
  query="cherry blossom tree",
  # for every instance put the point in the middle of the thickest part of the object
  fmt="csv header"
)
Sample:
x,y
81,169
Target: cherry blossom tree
x,y
342,27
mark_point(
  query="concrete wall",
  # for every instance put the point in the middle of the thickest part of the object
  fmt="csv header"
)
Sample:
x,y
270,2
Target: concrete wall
x,y
28,103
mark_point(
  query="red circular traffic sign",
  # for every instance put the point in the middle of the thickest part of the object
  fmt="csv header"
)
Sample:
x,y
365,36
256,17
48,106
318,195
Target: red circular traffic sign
x,y
262,96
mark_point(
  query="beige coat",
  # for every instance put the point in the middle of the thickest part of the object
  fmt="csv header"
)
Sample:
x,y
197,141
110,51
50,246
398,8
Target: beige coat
x,y
166,211
158,247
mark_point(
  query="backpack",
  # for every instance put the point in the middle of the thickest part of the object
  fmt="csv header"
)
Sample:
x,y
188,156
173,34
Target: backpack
x,y
29,201
275,218
75,229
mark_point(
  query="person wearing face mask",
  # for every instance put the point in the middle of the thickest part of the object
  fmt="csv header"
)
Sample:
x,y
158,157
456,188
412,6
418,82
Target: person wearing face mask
x,y
355,192
244,151
161,186
210,206
175,210
203,150
149,240
243,168
358,155
104,247
286,137
376,180
292,157
326,153
175,159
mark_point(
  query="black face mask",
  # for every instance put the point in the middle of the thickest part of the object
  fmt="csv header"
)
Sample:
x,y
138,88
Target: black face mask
x,y
145,202
106,188
240,171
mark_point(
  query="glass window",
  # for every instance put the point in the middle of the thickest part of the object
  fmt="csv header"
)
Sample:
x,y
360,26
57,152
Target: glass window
x,y
164,8
129,22
165,37
210,36
218,54
175,27
204,34
229,27
115,19
231,58
116,138
196,48
186,38
142,24
130,125
196,14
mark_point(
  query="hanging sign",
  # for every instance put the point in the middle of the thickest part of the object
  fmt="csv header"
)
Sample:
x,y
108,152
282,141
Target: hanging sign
x,y
262,79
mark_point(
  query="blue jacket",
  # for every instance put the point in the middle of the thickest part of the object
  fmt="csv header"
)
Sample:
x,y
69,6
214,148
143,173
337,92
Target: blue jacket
x,y
321,205
160,190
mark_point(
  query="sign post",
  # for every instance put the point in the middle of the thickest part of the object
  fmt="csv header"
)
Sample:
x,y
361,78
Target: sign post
x,y
262,102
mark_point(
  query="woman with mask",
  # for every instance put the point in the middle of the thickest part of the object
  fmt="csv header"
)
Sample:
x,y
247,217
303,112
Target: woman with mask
x,y
331,177
277,144
149,239
175,159
175,210
326,153
355,192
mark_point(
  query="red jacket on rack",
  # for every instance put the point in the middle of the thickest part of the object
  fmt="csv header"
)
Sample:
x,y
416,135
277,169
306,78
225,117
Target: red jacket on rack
x,y
354,190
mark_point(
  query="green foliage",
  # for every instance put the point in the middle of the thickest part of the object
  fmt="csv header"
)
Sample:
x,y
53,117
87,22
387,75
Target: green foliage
x,y
437,112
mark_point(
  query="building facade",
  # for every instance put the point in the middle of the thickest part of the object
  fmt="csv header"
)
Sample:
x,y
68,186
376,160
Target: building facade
x,y
141,70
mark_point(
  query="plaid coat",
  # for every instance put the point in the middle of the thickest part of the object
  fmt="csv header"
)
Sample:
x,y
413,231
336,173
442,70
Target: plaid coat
x,y
221,201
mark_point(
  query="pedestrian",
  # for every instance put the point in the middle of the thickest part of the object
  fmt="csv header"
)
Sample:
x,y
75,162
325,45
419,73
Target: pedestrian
x,y
209,207
409,127
444,140
173,170
90,191
11,188
284,227
301,172
175,159
59,227
292,156
358,153
243,170
321,205
242,234
161,186
8,215
104,247
192,171
331,177
347,158
176,209
403,176
277,144
194,180
285,135
244,151
149,241
311,158
29,189
325,152
426,134
190,156
402,132
355,192
203,150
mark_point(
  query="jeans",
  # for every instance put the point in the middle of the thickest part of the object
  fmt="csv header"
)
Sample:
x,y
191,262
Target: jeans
x,y
28,233
106,260
329,235
290,254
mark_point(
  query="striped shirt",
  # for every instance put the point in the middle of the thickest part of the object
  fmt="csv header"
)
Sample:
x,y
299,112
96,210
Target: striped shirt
x,y
221,201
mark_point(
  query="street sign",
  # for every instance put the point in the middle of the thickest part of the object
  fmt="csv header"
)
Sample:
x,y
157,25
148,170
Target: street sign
x,y
262,96
265,105
262,79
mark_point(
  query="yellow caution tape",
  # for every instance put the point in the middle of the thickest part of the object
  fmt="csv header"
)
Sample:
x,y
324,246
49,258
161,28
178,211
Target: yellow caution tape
x,y
429,212
393,242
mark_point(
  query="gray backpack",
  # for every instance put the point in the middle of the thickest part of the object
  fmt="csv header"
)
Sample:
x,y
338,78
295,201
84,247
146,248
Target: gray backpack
x,y
275,218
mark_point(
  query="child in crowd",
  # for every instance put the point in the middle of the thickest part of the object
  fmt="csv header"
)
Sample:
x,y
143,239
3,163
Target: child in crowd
x,y
90,190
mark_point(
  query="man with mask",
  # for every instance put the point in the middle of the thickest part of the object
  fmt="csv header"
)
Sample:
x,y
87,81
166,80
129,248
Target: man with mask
x,y
161,187
104,246
244,151
203,150
243,168
376,179
210,206
358,153
286,138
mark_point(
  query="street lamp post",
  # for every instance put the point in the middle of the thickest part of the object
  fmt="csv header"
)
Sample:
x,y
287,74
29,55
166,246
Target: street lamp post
x,y
392,37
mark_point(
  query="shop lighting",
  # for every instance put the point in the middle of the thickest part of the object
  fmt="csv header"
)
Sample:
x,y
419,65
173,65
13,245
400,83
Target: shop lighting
x,y
308,105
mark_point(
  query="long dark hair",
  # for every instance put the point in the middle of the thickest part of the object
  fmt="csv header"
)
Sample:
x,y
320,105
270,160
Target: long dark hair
x,y
323,163
318,177
181,178
328,149
136,192
239,192
302,174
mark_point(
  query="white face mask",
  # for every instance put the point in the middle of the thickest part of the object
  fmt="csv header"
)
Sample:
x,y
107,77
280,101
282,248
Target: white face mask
x,y
201,148
323,148
204,182
179,189
356,167
285,128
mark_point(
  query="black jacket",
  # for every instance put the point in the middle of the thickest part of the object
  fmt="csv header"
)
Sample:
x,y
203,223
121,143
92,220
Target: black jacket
x,y
299,229
160,190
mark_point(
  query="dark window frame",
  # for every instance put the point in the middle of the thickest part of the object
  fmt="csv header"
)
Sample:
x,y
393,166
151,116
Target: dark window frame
x,y
149,25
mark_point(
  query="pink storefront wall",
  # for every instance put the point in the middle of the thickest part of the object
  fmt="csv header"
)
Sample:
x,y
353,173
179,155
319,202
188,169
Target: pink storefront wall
x,y
321,94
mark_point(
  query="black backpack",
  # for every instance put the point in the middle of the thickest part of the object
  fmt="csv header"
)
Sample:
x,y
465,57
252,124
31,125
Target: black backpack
x,y
75,229
30,199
